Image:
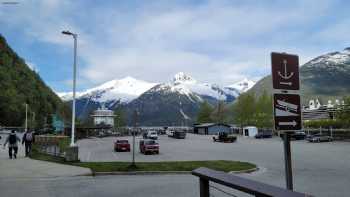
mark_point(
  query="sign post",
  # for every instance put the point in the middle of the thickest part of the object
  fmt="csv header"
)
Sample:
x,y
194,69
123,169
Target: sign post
x,y
286,103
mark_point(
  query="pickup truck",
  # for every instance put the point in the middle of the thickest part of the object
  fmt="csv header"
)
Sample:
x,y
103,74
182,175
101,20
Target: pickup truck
x,y
178,134
121,145
149,146
224,137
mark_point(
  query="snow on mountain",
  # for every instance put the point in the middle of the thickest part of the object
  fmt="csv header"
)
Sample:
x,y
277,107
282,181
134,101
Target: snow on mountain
x,y
186,85
128,88
241,86
183,78
333,58
124,90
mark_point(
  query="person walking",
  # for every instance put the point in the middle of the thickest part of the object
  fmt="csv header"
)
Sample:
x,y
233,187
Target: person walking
x,y
28,140
12,141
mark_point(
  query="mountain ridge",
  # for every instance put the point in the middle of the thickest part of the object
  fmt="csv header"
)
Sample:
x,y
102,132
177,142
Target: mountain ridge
x,y
325,77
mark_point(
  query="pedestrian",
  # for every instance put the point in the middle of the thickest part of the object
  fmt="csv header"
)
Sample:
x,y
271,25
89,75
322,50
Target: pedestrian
x,y
12,140
28,140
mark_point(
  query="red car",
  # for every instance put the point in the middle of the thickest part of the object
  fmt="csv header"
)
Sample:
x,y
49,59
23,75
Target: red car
x,y
149,146
121,145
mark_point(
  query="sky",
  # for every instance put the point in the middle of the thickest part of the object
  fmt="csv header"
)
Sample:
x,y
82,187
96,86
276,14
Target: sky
x,y
215,41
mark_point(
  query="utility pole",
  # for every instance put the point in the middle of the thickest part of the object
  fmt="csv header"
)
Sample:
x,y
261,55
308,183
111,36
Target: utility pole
x,y
33,119
26,123
133,138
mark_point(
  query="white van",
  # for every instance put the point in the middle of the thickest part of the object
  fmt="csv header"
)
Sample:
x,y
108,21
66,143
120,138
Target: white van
x,y
152,135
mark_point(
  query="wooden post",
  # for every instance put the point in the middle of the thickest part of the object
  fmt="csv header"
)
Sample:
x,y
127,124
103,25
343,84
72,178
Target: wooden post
x,y
204,188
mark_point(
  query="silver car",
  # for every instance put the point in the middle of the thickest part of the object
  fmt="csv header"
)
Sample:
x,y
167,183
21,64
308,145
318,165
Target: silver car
x,y
320,138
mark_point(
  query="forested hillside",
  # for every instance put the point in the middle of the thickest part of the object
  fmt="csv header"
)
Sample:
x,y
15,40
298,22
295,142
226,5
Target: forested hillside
x,y
20,85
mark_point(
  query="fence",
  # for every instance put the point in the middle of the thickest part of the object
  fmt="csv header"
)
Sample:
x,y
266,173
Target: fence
x,y
337,134
52,145
244,185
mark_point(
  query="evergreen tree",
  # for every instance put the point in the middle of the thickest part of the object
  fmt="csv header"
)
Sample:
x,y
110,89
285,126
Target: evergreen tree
x,y
264,111
120,117
244,110
205,112
219,115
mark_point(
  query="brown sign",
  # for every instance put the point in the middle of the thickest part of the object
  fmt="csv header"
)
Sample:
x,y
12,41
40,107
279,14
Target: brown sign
x,y
285,71
287,111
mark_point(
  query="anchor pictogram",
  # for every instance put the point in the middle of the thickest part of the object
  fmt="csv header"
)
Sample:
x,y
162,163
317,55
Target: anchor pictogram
x,y
286,75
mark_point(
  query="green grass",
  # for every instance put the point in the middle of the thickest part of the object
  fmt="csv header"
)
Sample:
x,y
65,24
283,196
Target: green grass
x,y
222,165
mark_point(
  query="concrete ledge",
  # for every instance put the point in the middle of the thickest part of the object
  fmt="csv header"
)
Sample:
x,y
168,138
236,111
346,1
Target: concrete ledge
x,y
163,172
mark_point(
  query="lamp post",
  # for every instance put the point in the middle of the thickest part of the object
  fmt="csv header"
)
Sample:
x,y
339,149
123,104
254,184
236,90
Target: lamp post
x,y
75,36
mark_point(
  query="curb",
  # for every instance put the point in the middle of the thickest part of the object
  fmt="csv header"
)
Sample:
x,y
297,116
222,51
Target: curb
x,y
163,172
140,173
244,171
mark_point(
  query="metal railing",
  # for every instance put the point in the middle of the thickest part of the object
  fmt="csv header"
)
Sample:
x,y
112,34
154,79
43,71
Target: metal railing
x,y
255,188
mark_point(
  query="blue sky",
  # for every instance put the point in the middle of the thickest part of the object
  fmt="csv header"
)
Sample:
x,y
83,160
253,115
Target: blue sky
x,y
213,41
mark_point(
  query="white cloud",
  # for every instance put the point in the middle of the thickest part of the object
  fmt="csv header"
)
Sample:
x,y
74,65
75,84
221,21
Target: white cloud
x,y
216,41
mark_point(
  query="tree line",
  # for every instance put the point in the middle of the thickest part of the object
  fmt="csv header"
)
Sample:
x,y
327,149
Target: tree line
x,y
247,110
252,110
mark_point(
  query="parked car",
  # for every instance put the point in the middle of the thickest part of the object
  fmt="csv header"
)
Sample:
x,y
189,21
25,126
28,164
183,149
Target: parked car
x,y
180,134
263,135
161,132
170,133
149,146
319,138
152,135
121,145
224,137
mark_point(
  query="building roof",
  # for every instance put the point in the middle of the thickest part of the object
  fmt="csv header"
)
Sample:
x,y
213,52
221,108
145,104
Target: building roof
x,y
211,124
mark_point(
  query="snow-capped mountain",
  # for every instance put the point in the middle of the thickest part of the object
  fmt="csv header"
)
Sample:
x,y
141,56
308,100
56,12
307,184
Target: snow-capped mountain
x,y
178,99
185,84
334,58
241,86
123,90
177,102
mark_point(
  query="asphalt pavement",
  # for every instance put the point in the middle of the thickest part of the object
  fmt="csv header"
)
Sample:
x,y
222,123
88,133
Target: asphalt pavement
x,y
321,169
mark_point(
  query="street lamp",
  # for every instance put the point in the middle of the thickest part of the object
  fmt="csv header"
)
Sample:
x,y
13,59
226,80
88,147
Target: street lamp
x,y
75,36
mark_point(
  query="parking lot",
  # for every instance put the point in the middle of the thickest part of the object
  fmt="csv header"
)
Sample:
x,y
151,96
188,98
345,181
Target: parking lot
x,y
318,168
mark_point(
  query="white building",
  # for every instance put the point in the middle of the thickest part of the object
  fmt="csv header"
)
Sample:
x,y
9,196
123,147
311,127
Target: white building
x,y
250,131
103,116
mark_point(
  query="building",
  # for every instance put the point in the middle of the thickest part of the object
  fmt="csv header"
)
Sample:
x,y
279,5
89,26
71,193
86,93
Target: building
x,y
103,116
211,128
250,131
316,111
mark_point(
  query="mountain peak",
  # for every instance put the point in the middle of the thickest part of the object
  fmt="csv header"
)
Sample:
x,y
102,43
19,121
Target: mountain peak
x,y
243,85
183,78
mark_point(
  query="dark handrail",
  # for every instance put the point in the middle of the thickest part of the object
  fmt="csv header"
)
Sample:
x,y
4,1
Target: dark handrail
x,y
239,183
